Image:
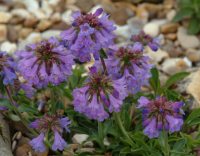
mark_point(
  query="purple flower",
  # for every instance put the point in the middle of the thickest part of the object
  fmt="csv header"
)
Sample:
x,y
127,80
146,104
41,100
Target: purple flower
x,y
7,69
160,114
146,40
59,142
100,94
51,123
130,64
88,34
151,129
65,122
38,143
45,62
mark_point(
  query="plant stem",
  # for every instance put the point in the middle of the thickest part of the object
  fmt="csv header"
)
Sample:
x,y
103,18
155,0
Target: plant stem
x,y
124,132
101,135
104,65
25,123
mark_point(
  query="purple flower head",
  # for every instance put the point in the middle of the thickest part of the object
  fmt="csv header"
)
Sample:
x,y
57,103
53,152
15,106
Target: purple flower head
x,y
88,34
100,96
52,123
38,143
147,40
59,142
7,69
45,62
160,114
130,64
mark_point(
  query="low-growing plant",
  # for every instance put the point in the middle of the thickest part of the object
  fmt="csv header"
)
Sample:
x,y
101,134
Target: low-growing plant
x,y
49,89
189,9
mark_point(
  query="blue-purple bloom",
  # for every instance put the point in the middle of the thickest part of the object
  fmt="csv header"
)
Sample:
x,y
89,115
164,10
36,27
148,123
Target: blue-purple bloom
x,y
52,124
38,143
99,96
88,34
146,40
7,69
130,64
45,62
159,115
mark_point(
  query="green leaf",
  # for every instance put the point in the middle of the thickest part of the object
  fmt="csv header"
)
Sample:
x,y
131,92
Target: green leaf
x,y
175,78
193,118
184,12
154,80
194,26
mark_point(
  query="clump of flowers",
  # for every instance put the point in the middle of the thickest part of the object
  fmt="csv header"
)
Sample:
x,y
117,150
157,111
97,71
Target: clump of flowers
x,y
52,124
89,33
100,93
7,69
160,114
132,65
45,62
147,40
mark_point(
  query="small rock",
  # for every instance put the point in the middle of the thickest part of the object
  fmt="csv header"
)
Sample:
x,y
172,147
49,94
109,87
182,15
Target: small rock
x,y
67,17
187,41
21,13
171,36
39,14
60,26
89,150
43,25
193,55
79,138
49,33
151,29
88,144
85,5
31,5
34,37
193,88
8,47
106,141
170,15
31,22
169,28
174,65
3,32
5,17
24,32
56,17
13,32
142,13
158,56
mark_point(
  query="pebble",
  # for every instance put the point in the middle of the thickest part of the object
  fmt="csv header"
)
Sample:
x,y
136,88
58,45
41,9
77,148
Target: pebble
x,y
3,32
66,17
4,17
174,65
79,138
44,24
31,22
23,13
8,47
170,15
187,41
151,29
24,32
169,28
193,55
193,88
33,37
171,36
158,56
49,33
13,32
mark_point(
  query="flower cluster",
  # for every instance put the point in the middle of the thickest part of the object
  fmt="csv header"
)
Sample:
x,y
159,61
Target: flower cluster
x,y
50,124
160,114
45,62
132,65
7,69
146,40
99,94
89,33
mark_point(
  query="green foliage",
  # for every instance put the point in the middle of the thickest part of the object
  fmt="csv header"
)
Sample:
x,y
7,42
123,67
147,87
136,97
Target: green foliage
x,y
189,9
